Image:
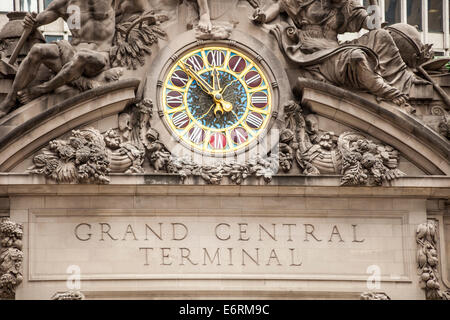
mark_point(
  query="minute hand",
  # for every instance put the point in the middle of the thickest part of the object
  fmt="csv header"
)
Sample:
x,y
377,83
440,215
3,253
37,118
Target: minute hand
x,y
202,82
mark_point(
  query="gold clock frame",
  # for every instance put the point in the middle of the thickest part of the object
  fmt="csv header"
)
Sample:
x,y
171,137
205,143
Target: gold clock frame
x,y
260,64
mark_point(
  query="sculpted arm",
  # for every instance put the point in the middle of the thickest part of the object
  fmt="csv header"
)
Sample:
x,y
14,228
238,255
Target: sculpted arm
x,y
267,15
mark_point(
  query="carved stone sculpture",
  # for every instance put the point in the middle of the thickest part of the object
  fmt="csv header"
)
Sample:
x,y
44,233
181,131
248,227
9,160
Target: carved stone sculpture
x,y
358,159
134,37
11,257
428,261
364,162
237,172
9,37
86,56
69,295
126,145
97,50
374,296
82,158
308,37
208,26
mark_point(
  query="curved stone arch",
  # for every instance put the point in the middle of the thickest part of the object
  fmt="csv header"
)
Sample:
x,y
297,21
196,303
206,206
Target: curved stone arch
x,y
44,126
419,144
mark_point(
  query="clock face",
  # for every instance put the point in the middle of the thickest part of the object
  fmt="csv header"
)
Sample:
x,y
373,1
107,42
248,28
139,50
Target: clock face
x,y
217,100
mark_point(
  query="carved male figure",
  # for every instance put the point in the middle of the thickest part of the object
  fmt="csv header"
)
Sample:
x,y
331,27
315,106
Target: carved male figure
x,y
88,55
371,63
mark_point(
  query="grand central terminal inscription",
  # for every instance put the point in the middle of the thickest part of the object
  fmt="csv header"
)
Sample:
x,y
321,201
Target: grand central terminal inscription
x,y
155,247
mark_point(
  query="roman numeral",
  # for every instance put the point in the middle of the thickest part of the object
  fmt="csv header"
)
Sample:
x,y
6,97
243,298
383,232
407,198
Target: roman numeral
x,y
196,135
216,58
240,136
255,120
180,120
179,79
196,63
236,64
174,99
254,80
218,141
260,99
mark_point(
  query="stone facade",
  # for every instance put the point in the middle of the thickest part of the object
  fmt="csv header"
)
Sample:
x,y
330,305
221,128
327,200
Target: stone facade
x,y
194,152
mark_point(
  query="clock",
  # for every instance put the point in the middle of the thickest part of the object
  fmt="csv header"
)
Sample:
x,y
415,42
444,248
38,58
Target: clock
x,y
217,100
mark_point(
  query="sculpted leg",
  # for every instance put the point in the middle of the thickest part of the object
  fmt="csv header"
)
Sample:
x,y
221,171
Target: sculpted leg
x,y
205,18
373,82
39,54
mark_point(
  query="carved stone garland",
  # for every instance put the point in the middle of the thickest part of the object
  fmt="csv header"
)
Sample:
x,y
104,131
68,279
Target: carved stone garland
x,y
69,295
87,156
82,158
428,261
11,257
374,296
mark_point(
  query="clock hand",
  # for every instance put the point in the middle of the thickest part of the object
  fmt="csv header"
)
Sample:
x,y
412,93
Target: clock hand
x,y
221,104
216,80
226,106
228,85
235,115
218,97
203,84
212,106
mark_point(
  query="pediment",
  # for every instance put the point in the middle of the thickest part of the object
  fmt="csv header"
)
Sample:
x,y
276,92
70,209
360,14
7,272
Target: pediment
x,y
110,115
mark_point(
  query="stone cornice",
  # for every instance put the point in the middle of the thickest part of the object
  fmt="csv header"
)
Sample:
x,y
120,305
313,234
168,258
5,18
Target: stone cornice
x,y
435,187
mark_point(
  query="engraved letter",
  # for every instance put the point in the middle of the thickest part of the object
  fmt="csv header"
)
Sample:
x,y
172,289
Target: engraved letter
x,y
289,225
186,256
107,231
88,235
354,234
217,235
292,259
129,231
146,255
164,256
175,238
273,235
335,232
273,255
243,231
211,260
147,228
310,232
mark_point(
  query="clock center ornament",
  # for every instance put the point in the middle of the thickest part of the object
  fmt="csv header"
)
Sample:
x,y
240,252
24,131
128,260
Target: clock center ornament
x,y
217,100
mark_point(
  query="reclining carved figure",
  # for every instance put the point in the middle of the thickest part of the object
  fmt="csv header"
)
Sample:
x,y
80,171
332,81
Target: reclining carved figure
x,y
371,62
88,55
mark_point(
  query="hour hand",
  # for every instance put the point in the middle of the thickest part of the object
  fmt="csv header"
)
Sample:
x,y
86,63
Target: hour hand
x,y
203,84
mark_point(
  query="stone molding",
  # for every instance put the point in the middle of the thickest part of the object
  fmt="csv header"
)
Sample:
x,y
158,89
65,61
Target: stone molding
x,y
165,184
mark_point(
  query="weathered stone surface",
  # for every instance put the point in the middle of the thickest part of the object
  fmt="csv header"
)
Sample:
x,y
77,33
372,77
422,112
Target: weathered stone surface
x,y
185,150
